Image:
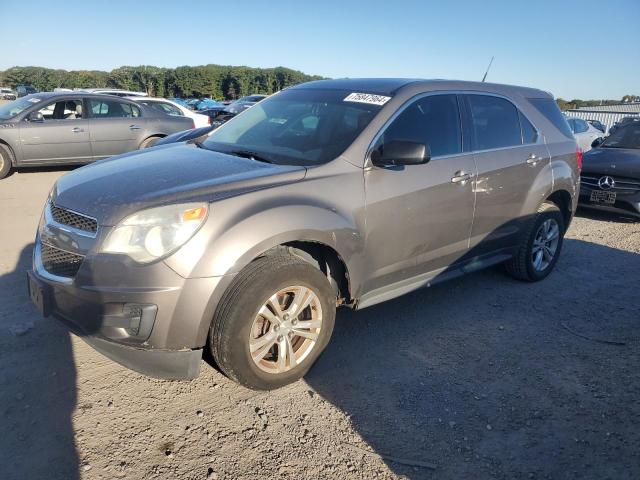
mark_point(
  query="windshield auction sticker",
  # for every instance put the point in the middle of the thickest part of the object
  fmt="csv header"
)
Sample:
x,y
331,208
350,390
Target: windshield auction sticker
x,y
367,98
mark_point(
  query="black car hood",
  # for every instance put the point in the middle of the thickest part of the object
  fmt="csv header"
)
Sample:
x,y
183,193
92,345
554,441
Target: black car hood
x,y
621,162
111,189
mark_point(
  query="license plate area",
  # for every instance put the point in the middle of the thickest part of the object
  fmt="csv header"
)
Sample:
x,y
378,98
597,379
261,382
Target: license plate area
x,y
603,197
39,295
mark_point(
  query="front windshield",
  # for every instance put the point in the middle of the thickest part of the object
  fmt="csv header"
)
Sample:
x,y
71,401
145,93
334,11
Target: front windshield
x,y
296,127
11,109
624,137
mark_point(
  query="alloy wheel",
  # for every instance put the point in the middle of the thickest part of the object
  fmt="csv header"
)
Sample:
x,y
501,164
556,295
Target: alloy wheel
x,y
545,244
286,329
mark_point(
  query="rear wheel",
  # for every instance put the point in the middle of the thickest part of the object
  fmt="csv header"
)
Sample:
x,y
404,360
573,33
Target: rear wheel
x,y
273,322
149,142
6,159
541,245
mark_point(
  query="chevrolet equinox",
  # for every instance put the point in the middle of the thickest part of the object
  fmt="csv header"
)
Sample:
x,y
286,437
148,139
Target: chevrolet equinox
x,y
335,192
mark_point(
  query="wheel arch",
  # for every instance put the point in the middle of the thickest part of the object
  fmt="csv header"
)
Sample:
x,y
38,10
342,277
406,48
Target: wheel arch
x,y
562,199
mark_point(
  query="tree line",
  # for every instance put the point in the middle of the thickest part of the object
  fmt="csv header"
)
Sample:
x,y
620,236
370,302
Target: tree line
x,y
577,103
214,81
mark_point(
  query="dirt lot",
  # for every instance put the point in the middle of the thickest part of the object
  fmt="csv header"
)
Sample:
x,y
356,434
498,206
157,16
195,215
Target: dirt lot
x,y
483,377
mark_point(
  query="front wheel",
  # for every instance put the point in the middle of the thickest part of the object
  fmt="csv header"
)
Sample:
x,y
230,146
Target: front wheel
x,y
273,322
5,161
541,245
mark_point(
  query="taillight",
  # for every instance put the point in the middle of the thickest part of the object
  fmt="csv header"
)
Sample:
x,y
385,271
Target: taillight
x,y
579,154
210,121
193,124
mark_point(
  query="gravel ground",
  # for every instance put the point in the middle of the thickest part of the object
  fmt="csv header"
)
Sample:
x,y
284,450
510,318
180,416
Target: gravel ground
x,y
482,377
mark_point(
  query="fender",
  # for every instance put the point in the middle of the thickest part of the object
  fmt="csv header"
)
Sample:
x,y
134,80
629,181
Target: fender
x,y
244,238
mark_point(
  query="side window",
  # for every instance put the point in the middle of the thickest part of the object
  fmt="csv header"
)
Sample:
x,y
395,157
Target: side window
x,y
112,109
62,110
529,134
495,122
166,108
433,120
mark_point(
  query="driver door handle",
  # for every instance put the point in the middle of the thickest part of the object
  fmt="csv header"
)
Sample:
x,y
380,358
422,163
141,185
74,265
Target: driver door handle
x,y
461,177
77,130
533,160
134,127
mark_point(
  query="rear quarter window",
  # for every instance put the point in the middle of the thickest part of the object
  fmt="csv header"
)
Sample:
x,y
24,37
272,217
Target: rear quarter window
x,y
549,108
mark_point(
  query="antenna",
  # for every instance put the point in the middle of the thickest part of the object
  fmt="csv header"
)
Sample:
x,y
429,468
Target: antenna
x,y
485,73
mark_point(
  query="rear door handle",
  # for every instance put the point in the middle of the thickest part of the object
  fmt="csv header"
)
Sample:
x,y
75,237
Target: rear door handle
x,y
134,127
461,177
533,160
77,130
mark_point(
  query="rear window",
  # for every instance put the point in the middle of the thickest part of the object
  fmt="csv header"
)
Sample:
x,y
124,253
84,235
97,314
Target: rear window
x,y
549,108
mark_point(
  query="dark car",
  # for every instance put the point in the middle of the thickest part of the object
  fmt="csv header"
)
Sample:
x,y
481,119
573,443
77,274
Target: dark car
x,y
195,134
621,123
73,128
598,124
213,113
24,90
243,103
611,172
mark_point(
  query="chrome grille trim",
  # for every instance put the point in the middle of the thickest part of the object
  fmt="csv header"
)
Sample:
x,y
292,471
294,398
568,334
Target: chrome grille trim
x,y
69,219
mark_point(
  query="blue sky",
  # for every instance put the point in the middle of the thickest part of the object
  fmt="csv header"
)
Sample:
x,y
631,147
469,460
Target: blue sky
x,y
573,48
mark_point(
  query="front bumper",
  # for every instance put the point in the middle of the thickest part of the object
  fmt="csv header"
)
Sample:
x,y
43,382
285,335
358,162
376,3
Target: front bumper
x,y
87,315
627,203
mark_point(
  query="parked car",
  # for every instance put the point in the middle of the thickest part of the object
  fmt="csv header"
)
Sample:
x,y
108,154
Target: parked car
x,y
622,122
193,134
118,92
207,104
67,128
336,192
7,94
598,124
23,90
172,108
213,113
243,103
611,172
584,132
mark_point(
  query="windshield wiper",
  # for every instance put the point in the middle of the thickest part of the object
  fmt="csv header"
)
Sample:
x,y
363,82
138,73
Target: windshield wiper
x,y
251,155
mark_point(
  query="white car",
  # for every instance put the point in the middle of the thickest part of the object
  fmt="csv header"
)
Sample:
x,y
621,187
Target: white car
x,y
115,91
584,132
175,109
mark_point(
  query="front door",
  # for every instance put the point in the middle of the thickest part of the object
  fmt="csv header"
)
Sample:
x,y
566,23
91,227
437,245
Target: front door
x,y
61,136
419,217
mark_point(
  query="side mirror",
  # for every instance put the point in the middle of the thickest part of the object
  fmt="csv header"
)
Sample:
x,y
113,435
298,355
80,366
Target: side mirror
x,y
597,142
400,152
35,117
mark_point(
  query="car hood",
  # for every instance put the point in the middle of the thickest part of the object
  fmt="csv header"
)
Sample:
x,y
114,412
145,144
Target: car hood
x,y
111,189
620,162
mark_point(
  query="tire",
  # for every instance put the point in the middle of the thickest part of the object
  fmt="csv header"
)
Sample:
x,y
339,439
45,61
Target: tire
x,y
6,161
524,265
149,142
239,320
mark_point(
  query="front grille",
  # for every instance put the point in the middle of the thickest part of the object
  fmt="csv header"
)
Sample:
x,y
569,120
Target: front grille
x,y
59,262
73,219
622,184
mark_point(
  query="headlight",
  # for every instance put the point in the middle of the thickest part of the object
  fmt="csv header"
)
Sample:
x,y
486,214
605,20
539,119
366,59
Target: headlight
x,y
155,233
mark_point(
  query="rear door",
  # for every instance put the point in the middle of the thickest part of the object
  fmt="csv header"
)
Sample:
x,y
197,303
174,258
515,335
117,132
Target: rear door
x,y
512,159
62,136
419,216
115,126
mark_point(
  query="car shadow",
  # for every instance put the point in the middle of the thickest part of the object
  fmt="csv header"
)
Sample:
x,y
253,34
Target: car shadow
x,y
599,215
486,377
37,387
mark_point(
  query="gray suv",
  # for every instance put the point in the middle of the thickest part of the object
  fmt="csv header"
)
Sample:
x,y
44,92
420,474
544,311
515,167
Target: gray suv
x,y
331,193
70,128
